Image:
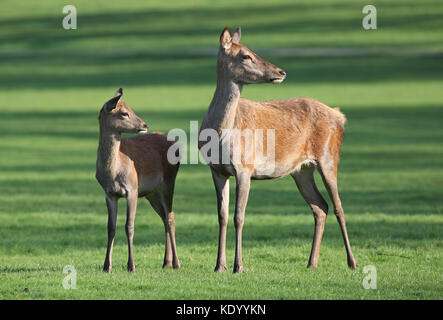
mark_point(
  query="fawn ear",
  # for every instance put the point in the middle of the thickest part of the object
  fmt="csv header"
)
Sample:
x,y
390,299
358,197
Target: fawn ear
x,y
119,92
237,35
226,38
112,103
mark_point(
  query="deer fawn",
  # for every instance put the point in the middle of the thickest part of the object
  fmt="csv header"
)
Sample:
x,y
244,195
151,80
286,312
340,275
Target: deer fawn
x,y
131,168
308,135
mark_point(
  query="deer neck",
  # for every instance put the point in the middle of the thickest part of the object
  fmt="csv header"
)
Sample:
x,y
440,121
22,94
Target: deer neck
x,y
223,107
108,152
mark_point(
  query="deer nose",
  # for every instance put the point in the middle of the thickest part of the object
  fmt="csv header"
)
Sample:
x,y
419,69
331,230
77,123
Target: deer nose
x,y
282,73
145,126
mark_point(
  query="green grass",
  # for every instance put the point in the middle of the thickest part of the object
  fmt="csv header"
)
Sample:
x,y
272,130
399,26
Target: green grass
x,y
52,211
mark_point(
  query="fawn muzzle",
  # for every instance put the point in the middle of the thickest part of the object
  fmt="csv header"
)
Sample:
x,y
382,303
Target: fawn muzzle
x,y
143,129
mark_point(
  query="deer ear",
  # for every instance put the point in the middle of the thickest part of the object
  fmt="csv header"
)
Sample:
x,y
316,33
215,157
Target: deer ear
x,y
226,38
112,103
237,35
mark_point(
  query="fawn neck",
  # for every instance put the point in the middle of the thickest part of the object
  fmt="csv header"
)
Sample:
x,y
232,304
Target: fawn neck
x,y
223,107
108,150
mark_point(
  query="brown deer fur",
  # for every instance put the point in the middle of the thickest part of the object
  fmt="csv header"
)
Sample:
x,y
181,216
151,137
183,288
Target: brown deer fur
x,y
308,135
131,168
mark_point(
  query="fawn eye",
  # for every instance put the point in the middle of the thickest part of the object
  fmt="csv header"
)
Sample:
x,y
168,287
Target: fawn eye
x,y
246,57
124,115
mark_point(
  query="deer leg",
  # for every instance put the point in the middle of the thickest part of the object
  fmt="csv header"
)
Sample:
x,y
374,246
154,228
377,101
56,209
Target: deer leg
x,y
306,184
111,203
167,215
329,175
131,209
242,194
222,189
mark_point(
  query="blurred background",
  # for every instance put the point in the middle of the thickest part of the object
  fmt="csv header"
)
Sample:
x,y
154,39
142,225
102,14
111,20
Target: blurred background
x,y
387,81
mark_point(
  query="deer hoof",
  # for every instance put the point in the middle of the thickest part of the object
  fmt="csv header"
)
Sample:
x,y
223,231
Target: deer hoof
x,y
352,263
238,269
220,268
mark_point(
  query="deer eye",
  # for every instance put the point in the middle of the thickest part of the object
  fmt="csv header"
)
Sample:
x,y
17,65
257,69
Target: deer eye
x,y
124,115
246,57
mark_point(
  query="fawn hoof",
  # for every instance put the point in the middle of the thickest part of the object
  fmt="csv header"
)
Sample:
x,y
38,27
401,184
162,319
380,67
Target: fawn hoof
x,y
131,268
220,268
313,266
238,269
107,269
176,265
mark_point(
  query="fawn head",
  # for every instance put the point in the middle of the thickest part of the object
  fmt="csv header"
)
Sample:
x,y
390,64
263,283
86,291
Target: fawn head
x,y
242,65
117,116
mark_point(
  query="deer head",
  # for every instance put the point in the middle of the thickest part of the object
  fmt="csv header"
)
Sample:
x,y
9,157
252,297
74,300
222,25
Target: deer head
x,y
117,116
242,65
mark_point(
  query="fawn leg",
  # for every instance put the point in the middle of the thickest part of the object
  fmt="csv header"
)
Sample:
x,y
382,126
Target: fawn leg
x,y
112,204
162,208
171,227
131,209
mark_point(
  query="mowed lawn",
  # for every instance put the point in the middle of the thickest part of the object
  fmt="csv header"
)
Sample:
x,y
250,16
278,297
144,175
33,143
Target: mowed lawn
x,y
53,83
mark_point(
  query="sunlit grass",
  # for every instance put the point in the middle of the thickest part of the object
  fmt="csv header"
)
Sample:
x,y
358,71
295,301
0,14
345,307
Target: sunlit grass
x,y
52,211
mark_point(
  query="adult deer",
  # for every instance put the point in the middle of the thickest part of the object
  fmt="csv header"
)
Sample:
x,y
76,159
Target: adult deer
x,y
308,135
131,168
